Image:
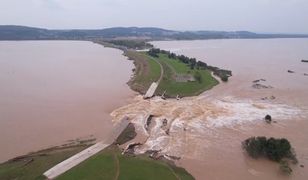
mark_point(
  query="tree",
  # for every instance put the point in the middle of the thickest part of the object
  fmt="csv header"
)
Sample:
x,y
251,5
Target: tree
x,y
192,66
201,64
154,52
172,56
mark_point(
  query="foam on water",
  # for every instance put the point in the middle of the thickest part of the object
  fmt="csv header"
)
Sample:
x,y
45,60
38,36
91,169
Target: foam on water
x,y
243,111
192,119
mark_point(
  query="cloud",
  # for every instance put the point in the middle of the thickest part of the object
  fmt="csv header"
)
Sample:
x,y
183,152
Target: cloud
x,y
254,15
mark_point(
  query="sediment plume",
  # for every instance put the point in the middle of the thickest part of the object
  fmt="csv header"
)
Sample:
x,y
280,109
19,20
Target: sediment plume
x,y
179,127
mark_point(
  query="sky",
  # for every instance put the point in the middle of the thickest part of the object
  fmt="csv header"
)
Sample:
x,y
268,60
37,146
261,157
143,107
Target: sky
x,y
283,16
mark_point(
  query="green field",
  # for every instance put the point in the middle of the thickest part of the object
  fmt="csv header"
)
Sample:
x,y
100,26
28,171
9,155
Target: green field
x,y
110,164
146,71
172,67
33,166
107,164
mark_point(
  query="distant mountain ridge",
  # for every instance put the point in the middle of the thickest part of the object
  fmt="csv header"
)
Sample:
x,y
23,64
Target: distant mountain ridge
x,y
13,32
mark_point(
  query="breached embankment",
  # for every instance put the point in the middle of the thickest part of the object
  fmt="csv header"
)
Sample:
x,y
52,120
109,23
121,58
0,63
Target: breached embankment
x,y
180,127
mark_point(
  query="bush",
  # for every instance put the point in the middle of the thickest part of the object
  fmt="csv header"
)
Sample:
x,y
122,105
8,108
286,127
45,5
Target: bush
x,y
154,52
224,78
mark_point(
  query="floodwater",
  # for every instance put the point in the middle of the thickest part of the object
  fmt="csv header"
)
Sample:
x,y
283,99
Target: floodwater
x,y
54,91
207,131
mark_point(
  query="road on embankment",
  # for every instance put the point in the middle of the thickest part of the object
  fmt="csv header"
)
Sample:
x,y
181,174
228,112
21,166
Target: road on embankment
x,y
151,91
161,71
87,153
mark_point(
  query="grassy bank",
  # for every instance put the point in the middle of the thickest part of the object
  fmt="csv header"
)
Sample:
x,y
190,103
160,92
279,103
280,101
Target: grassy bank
x,y
32,166
110,164
173,68
107,164
148,70
149,66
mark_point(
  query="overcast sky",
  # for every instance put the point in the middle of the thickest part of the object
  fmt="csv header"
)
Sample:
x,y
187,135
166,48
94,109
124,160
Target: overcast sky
x,y
288,16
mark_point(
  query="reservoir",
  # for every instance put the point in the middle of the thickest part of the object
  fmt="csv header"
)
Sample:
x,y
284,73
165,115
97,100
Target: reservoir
x,y
55,91
232,112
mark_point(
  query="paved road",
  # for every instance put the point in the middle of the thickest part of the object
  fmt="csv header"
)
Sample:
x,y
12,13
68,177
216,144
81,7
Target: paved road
x,y
74,160
161,71
85,154
150,92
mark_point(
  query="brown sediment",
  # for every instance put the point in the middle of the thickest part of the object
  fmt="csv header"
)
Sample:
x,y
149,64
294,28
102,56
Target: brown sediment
x,y
221,156
52,91
206,131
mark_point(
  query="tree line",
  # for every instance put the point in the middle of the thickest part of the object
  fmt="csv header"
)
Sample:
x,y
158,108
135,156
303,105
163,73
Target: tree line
x,y
192,62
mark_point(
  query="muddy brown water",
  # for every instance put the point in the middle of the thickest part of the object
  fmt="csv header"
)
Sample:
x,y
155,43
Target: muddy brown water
x,y
45,102
54,91
219,153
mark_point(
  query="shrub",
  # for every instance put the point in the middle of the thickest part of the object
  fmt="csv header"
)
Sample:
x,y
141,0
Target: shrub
x,y
224,78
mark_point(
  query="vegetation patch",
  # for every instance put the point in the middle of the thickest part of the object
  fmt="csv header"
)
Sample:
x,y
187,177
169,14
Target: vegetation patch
x,y
146,71
33,165
279,150
192,63
111,164
131,44
181,78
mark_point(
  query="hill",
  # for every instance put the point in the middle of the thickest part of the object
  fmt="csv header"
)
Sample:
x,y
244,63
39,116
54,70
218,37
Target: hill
x,y
12,32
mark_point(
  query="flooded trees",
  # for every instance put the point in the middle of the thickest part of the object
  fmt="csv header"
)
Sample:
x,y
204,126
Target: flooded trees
x,y
278,150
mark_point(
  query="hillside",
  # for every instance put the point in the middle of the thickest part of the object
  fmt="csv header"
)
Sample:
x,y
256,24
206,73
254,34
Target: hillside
x,y
11,32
